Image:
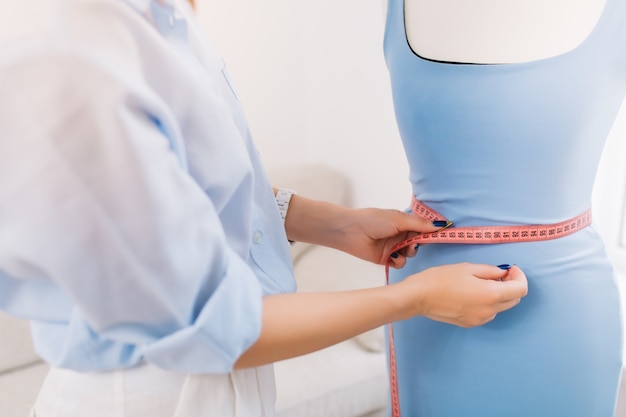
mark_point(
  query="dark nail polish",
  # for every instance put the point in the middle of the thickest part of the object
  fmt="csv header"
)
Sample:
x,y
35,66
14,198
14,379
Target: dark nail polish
x,y
417,246
441,223
505,267
394,255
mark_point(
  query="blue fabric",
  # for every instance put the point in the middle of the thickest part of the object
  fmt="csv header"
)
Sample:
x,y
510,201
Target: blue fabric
x,y
513,144
130,189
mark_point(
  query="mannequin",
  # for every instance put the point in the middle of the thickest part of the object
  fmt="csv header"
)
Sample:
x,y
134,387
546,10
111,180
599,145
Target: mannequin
x,y
512,32
503,109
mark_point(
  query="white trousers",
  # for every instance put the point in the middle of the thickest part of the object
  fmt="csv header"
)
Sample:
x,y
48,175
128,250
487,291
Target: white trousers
x,y
147,391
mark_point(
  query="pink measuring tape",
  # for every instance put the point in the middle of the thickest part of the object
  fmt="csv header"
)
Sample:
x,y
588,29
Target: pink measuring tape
x,y
475,236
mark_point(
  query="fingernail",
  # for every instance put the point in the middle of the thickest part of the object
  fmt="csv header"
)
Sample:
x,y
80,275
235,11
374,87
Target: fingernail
x,y
504,267
394,255
442,223
417,246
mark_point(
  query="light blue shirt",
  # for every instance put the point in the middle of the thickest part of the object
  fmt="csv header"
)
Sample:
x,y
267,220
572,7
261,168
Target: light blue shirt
x,y
136,220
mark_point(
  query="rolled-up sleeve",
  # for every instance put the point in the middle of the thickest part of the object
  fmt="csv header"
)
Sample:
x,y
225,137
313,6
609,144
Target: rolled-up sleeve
x,y
94,199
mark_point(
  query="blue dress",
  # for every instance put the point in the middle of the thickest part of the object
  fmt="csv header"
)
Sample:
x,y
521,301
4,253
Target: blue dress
x,y
513,144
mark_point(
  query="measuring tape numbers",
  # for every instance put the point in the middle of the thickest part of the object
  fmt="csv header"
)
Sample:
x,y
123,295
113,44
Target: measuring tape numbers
x,y
479,235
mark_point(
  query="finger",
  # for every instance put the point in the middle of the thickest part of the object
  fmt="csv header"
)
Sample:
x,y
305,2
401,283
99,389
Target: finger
x,y
516,280
515,274
397,260
514,285
507,305
489,272
411,250
406,222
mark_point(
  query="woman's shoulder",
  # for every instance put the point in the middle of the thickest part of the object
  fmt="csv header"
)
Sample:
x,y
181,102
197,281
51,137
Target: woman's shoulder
x,y
104,34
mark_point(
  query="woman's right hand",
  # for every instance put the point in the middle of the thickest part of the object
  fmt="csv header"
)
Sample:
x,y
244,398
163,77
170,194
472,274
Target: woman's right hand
x,y
464,294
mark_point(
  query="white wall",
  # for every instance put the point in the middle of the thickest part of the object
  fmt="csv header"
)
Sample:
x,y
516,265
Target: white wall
x,y
312,77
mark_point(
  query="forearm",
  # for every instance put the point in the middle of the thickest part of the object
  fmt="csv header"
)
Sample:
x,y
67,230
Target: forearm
x,y
317,222
461,294
296,324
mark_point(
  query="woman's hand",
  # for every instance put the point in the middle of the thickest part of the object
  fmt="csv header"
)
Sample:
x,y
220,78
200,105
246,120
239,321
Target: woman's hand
x,y
369,233
464,294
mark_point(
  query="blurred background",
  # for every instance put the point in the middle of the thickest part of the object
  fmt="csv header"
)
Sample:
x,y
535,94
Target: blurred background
x,y
312,78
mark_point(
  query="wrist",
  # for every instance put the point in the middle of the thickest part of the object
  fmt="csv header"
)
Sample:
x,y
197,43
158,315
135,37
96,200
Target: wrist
x,y
408,299
283,199
315,221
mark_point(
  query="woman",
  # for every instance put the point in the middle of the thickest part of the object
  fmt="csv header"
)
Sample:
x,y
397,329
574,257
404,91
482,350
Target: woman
x,y
142,238
503,111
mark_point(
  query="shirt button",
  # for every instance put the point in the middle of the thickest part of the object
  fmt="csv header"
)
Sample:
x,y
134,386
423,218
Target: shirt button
x,y
257,236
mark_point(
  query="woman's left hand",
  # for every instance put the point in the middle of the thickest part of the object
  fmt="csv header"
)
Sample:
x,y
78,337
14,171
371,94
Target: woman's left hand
x,y
368,233
371,233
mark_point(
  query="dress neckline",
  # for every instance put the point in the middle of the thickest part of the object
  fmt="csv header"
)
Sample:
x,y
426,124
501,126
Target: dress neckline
x,y
600,24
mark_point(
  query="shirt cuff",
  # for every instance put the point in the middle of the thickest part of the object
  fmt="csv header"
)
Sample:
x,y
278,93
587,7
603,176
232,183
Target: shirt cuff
x,y
228,324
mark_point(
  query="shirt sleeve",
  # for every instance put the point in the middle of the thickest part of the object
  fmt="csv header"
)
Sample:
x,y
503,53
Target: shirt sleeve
x,y
93,199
